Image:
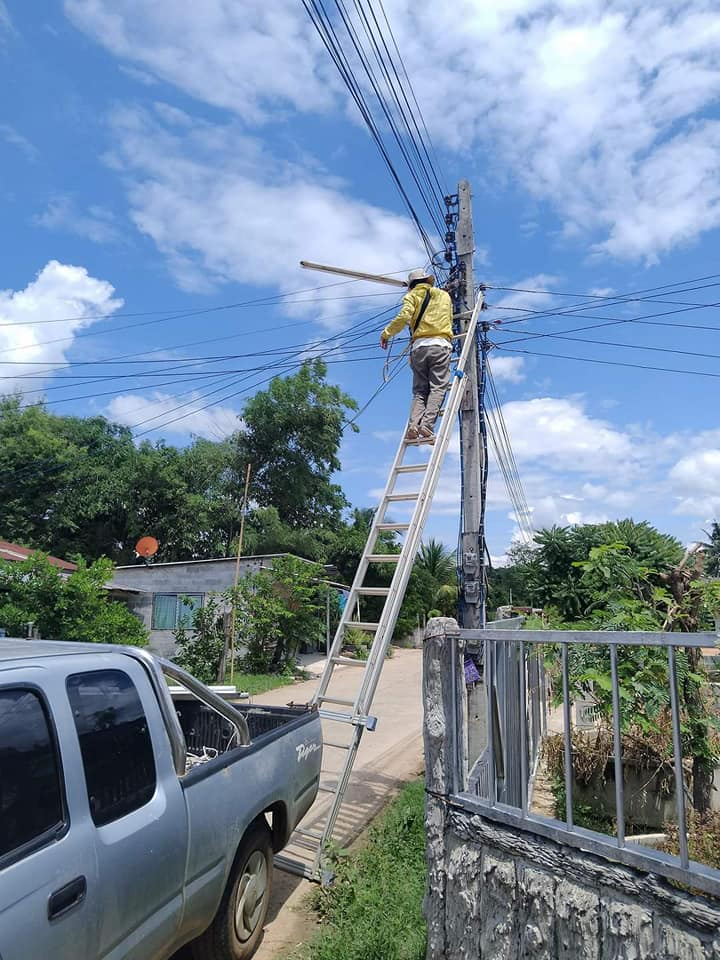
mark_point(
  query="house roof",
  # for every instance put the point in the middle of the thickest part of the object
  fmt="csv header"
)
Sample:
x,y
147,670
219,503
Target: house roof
x,y
185,563
13,551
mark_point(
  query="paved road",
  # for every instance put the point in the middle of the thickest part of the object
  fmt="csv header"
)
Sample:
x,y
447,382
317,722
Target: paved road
x,y
387,758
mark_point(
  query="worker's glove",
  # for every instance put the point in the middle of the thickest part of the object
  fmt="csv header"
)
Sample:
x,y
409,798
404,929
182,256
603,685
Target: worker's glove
x,y
383,341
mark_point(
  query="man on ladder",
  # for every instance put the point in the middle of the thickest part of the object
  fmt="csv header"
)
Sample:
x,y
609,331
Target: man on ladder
x,y
427,311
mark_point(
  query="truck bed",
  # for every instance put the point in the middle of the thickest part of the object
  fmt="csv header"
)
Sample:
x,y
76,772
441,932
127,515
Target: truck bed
x,y
204,729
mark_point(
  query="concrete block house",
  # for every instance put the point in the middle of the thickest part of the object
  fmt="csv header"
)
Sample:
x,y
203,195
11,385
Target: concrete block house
x,y
153,592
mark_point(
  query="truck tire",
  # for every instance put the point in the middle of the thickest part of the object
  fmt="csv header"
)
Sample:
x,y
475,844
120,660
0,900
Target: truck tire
x,y
237,928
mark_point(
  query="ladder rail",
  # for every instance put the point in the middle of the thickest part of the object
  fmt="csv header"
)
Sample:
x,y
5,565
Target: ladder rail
x,y
358,580
395,593
414,534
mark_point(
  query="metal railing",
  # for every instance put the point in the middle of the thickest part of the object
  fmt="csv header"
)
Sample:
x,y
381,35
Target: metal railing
x,y
500,786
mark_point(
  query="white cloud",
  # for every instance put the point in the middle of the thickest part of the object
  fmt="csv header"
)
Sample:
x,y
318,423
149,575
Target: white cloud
x,y
695,480
221,210
58,303
244,57
530,294
5,21
62,214
11,136
156,410
559,433
598,108
509,369
593,106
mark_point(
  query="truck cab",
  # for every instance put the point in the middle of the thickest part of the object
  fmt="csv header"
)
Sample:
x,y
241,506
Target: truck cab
x,y
132,823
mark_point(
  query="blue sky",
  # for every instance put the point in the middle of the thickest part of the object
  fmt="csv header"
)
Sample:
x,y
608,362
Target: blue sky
x,y
165,158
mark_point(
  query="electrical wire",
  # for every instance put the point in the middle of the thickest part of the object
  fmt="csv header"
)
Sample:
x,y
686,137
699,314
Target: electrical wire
x,y
178,316
275,369
614,344
322,22
344,338
261,301
610,363
426,140
615,300
433,200
505,457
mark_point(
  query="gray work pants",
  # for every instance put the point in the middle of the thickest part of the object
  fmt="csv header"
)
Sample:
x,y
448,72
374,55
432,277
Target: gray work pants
x,y
431,376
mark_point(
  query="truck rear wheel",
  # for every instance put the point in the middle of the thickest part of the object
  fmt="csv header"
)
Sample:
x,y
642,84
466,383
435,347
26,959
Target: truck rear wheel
x,y
237,928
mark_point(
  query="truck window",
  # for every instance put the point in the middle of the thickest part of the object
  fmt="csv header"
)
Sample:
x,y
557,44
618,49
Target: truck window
x,y
31,799
114,741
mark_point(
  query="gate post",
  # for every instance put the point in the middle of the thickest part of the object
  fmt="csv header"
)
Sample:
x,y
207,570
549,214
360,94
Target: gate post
x,y
445,744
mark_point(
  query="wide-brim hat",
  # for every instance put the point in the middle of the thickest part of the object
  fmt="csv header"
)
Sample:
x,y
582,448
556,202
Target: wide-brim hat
x,y
416,275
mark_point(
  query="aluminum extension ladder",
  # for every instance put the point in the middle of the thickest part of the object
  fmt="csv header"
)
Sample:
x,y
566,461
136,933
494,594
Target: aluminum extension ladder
x,y
304,855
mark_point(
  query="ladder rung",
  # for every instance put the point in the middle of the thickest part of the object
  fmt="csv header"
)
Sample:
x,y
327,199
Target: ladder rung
x,y
293,866
412,468
349,661
338,700
373,591
396,497
304,843
325,788
362,625
336,717
356,719
392,526
383,558
336,746
308,833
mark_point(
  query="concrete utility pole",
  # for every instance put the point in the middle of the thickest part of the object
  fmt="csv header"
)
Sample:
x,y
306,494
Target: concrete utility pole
x,y
471,601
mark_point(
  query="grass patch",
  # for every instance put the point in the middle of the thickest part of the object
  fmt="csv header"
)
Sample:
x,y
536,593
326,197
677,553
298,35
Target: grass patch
x,y
374,909
258,683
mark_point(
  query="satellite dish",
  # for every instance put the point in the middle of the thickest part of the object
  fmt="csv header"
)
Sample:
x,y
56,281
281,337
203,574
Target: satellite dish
x,y
146,547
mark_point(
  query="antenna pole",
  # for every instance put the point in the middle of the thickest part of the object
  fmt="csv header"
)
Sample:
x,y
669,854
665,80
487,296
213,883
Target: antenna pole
x,y
236,580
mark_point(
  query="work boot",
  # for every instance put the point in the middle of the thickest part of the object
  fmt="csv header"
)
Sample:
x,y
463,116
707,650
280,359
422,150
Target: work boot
x,y
425,435
412,432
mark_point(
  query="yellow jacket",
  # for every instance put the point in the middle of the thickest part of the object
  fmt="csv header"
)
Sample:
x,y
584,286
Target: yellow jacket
x,y
436,321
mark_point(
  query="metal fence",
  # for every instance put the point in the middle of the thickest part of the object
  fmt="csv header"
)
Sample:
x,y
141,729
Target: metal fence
x,y
501,781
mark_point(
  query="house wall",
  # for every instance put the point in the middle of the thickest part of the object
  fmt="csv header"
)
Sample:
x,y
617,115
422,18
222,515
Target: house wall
x,y
498,892
196,576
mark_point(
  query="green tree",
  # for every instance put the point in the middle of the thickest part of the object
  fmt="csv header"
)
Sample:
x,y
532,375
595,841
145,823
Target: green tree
x,y
72,484
200,639
75,607
189,500
348,542
265,532
554,576
711,550
291,434
437,560
276,611
61,480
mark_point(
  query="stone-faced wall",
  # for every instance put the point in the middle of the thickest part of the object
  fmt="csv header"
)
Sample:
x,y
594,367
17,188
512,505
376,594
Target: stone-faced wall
x,y
512,895
500,893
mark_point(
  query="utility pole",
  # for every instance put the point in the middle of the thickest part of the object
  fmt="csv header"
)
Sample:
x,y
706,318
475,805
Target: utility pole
x,y
471,602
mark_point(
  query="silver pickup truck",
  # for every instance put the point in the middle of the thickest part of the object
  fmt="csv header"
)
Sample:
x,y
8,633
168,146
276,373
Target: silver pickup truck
x,y
134,820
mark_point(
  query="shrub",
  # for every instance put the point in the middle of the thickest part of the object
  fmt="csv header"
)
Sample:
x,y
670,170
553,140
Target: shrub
x,y
200,649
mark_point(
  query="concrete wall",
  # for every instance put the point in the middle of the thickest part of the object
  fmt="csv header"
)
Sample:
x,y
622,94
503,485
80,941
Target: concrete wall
x,y
195,576
511,895
501,893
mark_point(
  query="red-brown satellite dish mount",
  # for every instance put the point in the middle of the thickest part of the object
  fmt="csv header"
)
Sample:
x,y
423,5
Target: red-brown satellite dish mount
x,y
146,547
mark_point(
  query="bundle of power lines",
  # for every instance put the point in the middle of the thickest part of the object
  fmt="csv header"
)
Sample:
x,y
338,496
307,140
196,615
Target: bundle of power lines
x,y
360,40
